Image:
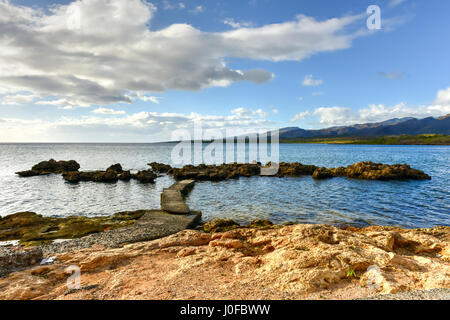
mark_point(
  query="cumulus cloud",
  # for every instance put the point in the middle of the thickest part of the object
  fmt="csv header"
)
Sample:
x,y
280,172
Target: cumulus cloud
x,y
139,127
108,111
67,53
310,82
443,97
336,116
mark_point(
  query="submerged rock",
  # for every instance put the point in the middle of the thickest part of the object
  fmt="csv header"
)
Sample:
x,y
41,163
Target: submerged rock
x,y
51,166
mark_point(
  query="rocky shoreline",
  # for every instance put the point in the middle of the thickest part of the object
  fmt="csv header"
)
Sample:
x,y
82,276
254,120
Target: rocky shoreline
x,y
168,254
274,262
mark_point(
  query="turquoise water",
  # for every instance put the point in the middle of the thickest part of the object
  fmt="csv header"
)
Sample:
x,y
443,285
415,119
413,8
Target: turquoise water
x,y
336,201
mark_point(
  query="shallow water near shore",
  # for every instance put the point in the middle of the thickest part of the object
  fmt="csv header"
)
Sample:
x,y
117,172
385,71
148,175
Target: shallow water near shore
x,y
410,204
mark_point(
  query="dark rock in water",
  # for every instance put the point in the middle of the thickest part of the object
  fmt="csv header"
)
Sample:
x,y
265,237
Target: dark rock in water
x,y
160,167
112,174
56,166
125,176
322,173
73,176
220,225
13,258
31,228
107,176
51,166
145,176
30,173
294,169
379,171
115,167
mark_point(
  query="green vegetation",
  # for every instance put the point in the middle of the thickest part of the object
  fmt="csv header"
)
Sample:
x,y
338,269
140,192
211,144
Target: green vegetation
x,y
351,274
423,139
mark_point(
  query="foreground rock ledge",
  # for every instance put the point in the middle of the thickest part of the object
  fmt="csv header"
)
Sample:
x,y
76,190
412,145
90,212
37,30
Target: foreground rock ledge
x,y
293,262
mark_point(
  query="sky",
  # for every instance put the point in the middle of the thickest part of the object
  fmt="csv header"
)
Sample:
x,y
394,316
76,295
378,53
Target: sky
x,y
147,71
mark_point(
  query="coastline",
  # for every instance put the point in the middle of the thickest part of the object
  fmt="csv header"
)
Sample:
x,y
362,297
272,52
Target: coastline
x,y
165,254
291,262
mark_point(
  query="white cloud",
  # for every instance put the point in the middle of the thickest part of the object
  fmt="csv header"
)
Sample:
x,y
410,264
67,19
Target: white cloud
x,y
443,97
248,113
237,25
146,98
318,93
138,127
336,116
17,99
300,98
94,63
275,111
167,5
301,116
310,82
197,9
108,111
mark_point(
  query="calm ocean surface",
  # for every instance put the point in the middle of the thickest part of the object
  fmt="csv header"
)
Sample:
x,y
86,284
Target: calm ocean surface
x,y
335,201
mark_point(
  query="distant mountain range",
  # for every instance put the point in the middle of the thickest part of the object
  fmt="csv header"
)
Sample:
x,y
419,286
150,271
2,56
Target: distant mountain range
x,y
409,126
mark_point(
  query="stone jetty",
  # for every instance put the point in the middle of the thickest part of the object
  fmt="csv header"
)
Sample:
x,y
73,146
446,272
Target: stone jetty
x,y
172,199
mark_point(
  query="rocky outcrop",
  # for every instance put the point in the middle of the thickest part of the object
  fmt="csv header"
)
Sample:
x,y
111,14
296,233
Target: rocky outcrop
x,y
160,167
34,229
293,262
360,170
15,258
372,171
172,199
145,176
51,166
113,174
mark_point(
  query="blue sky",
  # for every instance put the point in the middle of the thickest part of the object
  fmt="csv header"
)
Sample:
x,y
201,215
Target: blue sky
x,y
230,64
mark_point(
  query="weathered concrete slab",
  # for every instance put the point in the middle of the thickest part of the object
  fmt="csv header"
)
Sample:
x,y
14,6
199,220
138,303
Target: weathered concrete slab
x,y
154,224
172,199
184,186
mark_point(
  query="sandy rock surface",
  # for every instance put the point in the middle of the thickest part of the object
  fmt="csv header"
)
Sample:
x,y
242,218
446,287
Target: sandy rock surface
x,y
293,262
